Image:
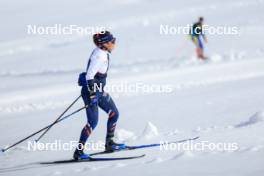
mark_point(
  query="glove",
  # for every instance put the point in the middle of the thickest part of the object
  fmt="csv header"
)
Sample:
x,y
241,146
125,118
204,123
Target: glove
x,y
89,86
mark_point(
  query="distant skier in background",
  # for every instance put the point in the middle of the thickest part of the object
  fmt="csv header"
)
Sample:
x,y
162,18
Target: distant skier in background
x,y
91,81
197,33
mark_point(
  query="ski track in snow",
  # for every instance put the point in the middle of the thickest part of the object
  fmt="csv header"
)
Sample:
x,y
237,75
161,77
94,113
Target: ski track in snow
x,y
35,101
151,160
139,65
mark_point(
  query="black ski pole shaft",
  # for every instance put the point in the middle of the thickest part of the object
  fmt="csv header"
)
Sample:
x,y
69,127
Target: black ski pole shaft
x,y
33,134
58,118
65,117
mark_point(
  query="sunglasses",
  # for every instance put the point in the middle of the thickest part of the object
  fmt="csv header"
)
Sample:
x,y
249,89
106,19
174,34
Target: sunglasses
x,y
113,40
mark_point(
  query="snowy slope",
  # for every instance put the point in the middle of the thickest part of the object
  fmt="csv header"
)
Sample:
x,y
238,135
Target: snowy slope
x,y
220,100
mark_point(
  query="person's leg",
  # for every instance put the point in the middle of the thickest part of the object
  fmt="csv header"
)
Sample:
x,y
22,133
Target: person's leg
x,y
92,120
200,48
196,43
108,105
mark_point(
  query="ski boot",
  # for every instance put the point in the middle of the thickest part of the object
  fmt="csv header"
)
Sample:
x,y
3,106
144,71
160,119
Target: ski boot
x,y
111,146
79,155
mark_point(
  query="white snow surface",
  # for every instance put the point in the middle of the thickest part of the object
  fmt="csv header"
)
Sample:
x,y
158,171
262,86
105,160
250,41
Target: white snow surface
x,y
220,100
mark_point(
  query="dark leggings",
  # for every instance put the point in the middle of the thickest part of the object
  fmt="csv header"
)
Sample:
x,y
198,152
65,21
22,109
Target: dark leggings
x,y
106,103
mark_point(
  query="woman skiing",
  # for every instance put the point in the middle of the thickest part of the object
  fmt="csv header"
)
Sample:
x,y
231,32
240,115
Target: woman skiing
x,y
93,82
196,34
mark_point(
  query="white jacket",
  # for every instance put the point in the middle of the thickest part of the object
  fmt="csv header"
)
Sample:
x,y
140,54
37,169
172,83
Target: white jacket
x,y
97,63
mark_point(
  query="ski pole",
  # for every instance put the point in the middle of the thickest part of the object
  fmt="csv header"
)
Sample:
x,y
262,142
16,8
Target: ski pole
x,y
33,134
58,118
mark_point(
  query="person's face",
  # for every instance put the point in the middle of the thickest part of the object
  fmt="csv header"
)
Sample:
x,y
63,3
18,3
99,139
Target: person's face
x,y
110,45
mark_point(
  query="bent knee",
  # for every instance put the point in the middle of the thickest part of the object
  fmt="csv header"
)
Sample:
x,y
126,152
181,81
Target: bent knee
x,y
113,114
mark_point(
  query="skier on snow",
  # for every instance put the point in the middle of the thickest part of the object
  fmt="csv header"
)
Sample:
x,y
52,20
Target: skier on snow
x,y
196,34
92,81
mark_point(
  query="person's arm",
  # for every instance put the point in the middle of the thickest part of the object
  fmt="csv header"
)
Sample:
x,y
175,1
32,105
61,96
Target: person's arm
x,y
93,67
